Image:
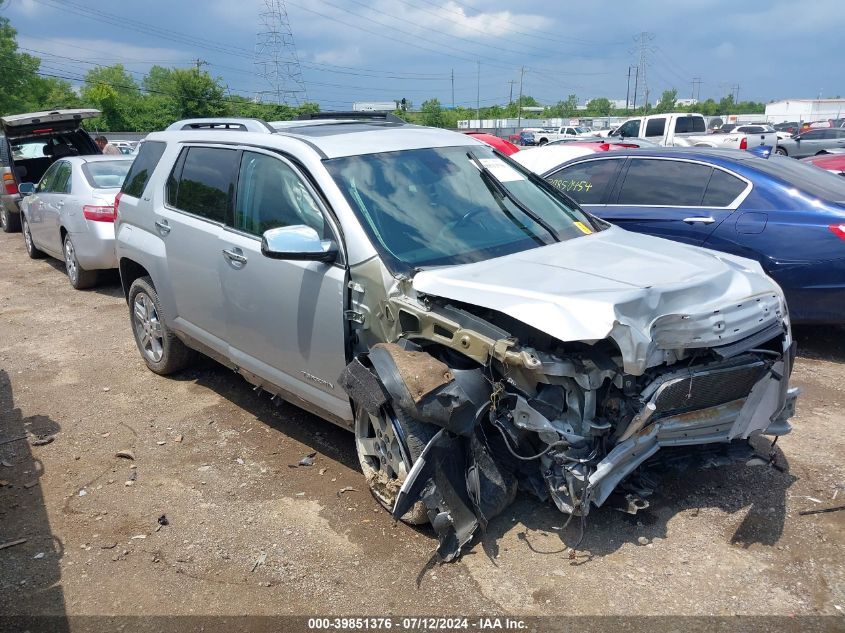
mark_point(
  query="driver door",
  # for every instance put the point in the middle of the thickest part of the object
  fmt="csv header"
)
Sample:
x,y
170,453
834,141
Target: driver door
x,y
284,318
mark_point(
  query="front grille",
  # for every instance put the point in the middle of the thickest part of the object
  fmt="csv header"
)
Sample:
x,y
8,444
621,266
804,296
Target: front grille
x,y
709,388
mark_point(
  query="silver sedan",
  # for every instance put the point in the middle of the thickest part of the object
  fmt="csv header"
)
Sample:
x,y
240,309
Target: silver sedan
x,y
70,214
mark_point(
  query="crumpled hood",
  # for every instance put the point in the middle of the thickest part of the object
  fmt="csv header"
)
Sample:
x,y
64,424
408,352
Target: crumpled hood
x,y
621,285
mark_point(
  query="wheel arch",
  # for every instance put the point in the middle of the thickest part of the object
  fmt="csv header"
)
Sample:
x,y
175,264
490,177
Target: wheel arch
x,y
130,270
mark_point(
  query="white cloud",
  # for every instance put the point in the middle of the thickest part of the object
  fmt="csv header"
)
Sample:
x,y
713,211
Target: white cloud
x,y
101,51
347,56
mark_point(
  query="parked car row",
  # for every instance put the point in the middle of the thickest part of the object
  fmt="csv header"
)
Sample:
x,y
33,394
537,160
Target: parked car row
x,y
474,326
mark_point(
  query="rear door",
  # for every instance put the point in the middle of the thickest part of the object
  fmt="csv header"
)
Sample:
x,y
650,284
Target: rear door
x,y
38,123
681,200
199,196
285,319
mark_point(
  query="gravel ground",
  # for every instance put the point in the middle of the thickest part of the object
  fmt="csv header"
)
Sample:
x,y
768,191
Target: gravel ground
x,y
247,533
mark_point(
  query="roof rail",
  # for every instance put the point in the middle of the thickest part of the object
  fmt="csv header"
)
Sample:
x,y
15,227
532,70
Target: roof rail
x,y
388,117
223,123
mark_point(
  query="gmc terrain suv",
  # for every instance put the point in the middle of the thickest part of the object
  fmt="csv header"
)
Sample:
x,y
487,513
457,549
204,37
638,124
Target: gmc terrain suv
x,y
474,328
29,144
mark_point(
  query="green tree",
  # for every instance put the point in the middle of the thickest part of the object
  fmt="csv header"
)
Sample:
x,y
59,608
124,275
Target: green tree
x,y
113,91
667,101
727,105
564,109
49,93
17,71
432,113
600,106
196,94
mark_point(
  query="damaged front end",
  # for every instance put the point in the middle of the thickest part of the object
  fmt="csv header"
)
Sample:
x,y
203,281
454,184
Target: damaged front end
x,y
497,404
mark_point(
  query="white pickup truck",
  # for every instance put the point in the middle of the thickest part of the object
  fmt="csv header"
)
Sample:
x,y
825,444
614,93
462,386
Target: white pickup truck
x,y
547,135
690,130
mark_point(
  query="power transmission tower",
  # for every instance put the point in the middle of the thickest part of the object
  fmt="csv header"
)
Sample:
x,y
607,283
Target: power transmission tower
x,y
276,61
644,48
696,88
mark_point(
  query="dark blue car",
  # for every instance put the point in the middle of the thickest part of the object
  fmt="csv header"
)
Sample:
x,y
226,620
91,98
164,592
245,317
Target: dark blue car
x,y
788,216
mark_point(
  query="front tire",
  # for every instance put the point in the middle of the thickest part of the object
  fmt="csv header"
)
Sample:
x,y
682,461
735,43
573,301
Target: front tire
x,y
79,277
31,249
9,222
387,446
160,348
781,151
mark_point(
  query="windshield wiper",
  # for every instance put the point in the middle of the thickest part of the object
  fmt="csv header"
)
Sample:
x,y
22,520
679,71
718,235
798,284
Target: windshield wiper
x,y
494,184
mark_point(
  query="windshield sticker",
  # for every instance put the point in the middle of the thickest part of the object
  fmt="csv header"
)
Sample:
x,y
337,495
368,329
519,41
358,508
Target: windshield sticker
x,y
583,227
501,170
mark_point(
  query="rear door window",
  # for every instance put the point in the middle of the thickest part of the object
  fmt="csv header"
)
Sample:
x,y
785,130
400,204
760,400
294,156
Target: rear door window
x,y
685,124
664,183
722,189
655,127
587,182
271,195
142,168
205,184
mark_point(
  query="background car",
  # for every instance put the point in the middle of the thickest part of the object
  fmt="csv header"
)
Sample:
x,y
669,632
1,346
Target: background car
x,y
787,215
811,142
541,159
29,144
604,144
70,214
834,162
506,147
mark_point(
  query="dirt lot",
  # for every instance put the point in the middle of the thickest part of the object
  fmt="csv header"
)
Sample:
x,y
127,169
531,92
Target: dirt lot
x,y
248,534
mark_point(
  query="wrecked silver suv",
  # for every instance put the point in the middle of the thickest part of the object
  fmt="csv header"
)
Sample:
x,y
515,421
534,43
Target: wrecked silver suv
x,y
488,335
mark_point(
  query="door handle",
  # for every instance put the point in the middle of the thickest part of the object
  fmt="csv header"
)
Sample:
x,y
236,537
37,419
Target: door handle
x,y
234,256
699,220
60,204
162,227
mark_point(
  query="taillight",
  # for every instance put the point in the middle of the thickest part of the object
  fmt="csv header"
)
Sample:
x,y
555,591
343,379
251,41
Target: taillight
x,y
743,144
9,184
117,203
99,213
838,230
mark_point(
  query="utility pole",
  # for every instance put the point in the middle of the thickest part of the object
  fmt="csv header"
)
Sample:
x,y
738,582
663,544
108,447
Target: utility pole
x,y
736,94
519,105
636,83
478,93
646,101
200,62
628,92
510,96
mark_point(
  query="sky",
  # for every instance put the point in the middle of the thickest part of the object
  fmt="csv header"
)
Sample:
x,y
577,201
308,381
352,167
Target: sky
x,y
385,50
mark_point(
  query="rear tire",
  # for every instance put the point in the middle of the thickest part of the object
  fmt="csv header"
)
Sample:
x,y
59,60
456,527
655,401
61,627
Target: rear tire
x,y
31,250
382,462
9,222
160,348
79,277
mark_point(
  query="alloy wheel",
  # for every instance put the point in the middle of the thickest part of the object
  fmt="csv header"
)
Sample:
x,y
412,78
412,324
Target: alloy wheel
x,y
70,261
27,237
381,455
148,327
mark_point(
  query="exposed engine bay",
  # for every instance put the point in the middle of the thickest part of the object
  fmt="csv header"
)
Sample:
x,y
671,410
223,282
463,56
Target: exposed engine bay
x,y
500,405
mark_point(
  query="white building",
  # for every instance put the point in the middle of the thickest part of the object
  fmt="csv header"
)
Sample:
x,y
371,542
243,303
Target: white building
x,y
804,110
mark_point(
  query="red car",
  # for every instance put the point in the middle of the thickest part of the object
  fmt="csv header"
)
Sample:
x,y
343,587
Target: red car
x,y
834,163
506,147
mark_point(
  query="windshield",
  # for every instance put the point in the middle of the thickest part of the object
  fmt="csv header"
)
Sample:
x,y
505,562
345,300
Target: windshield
x,y
436,207
809,179
106,174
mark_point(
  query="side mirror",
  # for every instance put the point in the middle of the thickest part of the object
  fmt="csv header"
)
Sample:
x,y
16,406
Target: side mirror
x,y
297,242
26,188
